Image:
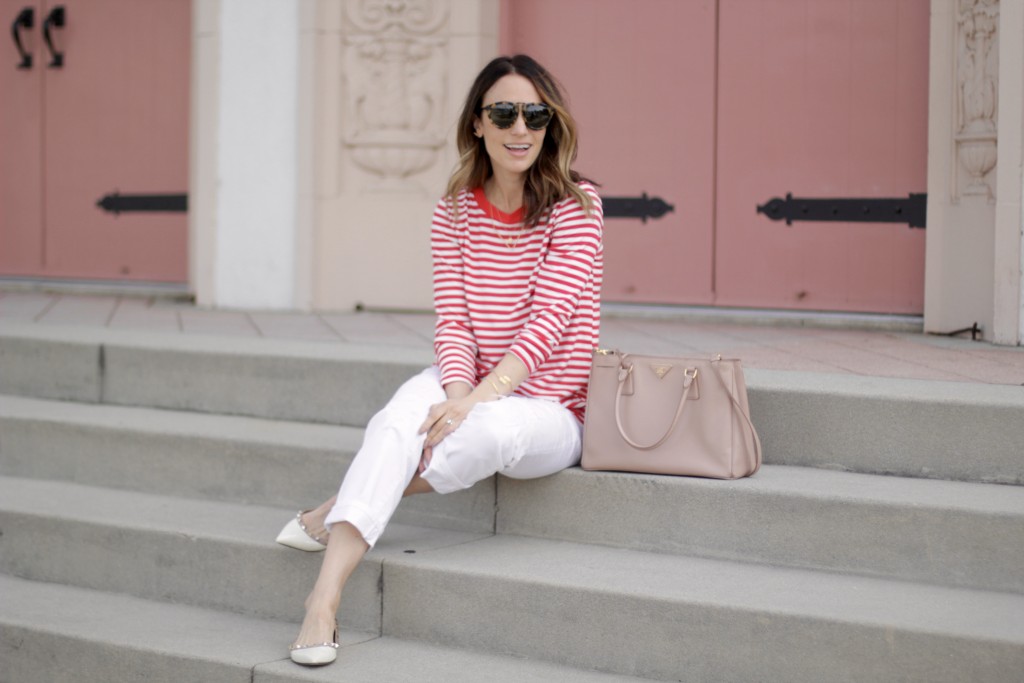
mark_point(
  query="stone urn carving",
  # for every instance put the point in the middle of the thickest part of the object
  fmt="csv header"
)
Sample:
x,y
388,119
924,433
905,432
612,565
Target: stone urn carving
x,y
396,85
977,76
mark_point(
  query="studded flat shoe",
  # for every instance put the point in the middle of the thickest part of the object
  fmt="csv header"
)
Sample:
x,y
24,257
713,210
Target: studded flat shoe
x,y
315,655
296,535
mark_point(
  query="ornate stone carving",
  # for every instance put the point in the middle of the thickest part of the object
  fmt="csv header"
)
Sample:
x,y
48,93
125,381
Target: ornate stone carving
x,y
977,74
412,16
396,59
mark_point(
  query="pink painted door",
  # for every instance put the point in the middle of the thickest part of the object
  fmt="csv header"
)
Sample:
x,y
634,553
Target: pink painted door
x,y
821,98
21,136
718,106
114,117
644,98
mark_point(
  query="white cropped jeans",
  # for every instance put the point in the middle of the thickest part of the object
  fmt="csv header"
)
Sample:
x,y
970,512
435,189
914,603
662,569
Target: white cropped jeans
x,y
518,437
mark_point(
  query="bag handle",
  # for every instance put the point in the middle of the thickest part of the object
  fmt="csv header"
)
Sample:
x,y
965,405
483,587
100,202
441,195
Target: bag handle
x,y
746,418
687,385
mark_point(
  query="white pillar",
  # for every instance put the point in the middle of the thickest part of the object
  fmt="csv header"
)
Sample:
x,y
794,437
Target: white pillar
x,y
251,166
963,158
1008,323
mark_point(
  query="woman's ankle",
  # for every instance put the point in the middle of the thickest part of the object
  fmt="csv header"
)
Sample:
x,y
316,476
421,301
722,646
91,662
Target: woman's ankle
x,y
313,520
321,606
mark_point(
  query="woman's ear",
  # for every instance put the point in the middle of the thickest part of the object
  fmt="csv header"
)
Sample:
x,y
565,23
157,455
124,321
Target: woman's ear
x,y
478,127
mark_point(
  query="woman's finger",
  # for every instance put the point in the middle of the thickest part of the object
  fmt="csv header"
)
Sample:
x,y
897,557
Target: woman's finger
x,y
430,422
444,426
428,453
435,413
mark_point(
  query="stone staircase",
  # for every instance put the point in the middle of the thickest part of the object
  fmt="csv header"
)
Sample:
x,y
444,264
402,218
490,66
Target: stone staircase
x,y
143,478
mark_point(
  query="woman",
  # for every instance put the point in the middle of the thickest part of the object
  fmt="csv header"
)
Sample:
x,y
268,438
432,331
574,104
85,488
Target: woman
x,y
517,258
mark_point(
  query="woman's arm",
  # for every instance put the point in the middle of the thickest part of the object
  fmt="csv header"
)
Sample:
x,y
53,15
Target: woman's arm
x,y
566,271
508,374
455,346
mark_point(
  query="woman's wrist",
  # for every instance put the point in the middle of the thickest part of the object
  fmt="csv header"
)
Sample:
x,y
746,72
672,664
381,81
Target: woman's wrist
x,y
500,384
457,390
505,383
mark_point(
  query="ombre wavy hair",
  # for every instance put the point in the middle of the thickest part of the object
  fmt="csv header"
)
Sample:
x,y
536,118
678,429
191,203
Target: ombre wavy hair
x,y
551,178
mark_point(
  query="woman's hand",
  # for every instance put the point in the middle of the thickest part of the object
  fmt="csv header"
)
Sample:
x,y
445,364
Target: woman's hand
x,y
444,418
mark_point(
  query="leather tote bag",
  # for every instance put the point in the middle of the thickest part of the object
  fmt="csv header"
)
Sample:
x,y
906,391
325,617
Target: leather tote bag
x,y
669,415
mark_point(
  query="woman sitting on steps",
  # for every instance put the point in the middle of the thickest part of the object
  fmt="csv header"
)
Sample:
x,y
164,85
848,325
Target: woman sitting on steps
x,y
517,265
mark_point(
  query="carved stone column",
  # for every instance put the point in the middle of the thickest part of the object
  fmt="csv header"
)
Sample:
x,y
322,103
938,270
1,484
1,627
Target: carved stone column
x,y
974,258
962,139
977,94
395,68
391,77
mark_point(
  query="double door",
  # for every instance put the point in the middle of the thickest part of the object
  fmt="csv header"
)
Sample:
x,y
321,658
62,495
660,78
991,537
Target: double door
x,y
717,106
94,100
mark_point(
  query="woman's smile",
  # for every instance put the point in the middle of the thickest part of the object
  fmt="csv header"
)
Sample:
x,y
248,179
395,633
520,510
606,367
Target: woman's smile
x,y
518,149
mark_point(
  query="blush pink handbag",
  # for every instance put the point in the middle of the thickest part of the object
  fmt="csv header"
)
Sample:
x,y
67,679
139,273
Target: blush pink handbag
x,y
666,415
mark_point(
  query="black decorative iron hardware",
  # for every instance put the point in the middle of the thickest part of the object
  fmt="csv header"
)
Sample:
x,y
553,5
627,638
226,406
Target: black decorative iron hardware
x,y
117,203
913,210
55,19
642,207
974,329
26,19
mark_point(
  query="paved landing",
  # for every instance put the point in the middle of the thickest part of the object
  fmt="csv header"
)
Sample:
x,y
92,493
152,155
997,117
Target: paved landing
x,y
879,347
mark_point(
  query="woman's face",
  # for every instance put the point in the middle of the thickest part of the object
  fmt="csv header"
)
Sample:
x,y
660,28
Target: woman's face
x,y
512,150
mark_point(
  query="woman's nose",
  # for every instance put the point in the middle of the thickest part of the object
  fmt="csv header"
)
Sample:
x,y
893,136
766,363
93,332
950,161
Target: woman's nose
x,y
520,125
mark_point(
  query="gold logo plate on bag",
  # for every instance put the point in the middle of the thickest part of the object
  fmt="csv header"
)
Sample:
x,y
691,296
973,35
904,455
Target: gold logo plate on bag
x,y
661,370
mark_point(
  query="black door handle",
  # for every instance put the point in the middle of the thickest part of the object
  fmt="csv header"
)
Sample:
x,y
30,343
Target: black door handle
x,y
55,19
26,19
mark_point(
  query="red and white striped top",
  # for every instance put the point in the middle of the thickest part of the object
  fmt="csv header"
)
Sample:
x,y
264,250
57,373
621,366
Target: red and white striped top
x,y
535,293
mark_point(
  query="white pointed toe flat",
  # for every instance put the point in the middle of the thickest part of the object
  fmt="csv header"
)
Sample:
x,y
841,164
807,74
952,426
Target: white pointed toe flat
x,y
315,655
295,535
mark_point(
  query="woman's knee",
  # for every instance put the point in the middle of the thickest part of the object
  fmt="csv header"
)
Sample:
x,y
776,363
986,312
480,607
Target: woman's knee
x,y
408,408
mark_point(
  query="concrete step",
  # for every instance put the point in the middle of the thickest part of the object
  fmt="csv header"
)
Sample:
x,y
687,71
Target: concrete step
x,y
225,458
942,532
59,634
309,382
203,553
948,533
675,618
913,428
620,611
879,425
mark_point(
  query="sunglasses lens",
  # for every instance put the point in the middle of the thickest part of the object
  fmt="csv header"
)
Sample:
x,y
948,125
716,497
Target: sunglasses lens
x,y
503,114
537,116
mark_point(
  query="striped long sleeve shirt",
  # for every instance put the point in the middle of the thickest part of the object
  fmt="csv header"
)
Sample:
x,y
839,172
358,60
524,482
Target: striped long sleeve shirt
x,y
535,293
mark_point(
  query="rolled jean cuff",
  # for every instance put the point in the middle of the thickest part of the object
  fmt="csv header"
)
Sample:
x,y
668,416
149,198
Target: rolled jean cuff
x,y
441,478
358,516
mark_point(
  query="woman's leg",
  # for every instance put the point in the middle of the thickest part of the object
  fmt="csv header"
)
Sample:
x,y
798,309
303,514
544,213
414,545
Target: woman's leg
x,y
345,548
314,519
381,474
518,437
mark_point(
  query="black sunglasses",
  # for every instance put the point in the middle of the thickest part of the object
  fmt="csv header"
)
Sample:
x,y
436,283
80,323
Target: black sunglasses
x,y
505,114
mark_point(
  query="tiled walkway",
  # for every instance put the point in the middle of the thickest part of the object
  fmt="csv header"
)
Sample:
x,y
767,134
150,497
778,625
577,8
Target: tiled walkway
x,y
775,347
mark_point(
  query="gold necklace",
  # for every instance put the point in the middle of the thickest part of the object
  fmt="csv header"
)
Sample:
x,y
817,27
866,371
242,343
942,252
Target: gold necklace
x,y
510,242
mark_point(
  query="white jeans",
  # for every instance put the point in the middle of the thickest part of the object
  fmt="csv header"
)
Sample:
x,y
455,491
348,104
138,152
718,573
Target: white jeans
x,y
517,436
